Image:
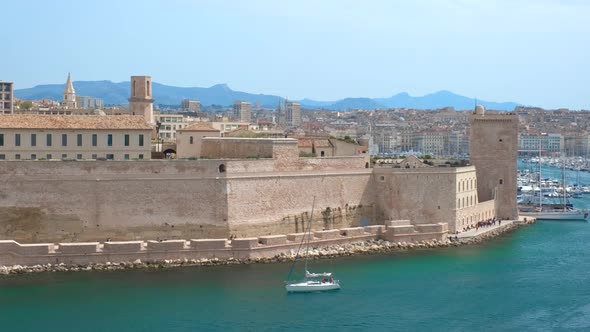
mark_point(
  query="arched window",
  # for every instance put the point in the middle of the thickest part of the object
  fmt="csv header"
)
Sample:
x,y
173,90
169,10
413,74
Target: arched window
x,y
134,87
191,140
222,168
459,203
366,165
148,88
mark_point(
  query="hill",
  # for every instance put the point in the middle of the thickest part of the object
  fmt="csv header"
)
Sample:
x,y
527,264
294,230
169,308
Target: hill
x,y
221,94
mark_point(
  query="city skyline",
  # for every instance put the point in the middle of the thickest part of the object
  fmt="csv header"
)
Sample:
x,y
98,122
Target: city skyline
x,y
531,52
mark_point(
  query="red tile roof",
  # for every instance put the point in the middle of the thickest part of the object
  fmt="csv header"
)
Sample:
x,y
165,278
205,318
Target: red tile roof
x,y
34,121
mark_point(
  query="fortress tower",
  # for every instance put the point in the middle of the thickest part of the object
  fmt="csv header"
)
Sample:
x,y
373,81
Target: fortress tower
x,y
141,102
69,101
494,152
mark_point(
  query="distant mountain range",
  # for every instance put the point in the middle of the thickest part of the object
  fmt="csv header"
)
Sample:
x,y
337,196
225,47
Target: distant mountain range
x,y
221,94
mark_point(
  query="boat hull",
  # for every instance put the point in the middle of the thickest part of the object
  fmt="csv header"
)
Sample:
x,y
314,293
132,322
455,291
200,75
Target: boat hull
x,y
557,215
312,286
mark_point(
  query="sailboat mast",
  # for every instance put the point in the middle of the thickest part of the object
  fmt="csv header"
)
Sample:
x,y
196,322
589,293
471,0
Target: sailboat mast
x,y
540,189
309,234
563,183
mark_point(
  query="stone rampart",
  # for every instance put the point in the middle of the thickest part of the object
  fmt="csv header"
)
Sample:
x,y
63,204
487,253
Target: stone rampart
x,y
415,233
273,239
122,246
208,244
55,201
13,253
166,245
79,248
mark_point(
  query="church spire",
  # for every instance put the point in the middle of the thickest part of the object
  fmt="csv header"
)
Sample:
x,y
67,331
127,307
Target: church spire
x,y
69,85
69,100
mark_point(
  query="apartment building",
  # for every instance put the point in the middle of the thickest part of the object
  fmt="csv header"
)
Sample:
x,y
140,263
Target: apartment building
x,y
86,102
293,114
190,105
243,111
170,123
6,98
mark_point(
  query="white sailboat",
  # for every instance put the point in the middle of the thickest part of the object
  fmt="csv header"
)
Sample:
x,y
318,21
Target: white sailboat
x,y
313,282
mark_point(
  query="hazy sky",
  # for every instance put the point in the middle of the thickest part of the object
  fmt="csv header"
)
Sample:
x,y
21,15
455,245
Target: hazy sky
x,y
532,52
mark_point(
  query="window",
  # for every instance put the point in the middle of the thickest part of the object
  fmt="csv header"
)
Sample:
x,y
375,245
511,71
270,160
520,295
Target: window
x,y
64,156
64,139
17,156
148,88
140,139
33,156
501,181
134,88
94,156
110,156
49,156
48,140
2,156
1,139
79,139
79,156
140,156
33,140
126,139
110,140
94,140
191,140
126,157
17,139
222,168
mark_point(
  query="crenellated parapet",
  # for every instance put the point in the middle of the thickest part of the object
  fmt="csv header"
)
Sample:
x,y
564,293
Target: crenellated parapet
x,y
84,253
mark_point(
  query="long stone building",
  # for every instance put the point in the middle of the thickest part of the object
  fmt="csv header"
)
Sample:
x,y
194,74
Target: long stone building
x,y
79,137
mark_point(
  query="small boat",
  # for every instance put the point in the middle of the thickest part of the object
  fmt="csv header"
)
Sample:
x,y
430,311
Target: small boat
x,y
313,286
313,282
568,214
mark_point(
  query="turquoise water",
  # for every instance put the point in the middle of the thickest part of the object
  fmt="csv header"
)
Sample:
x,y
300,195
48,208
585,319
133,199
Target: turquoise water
x,y
534,279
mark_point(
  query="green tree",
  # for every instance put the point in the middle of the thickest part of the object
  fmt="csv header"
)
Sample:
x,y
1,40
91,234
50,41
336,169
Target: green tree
x,y
25,105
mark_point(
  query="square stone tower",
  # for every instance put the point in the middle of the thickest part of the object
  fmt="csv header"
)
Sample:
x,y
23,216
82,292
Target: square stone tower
x,y
141,101
493,147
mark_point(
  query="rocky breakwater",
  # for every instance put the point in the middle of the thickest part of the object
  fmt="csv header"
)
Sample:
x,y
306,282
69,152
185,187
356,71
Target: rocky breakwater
x,y
331,251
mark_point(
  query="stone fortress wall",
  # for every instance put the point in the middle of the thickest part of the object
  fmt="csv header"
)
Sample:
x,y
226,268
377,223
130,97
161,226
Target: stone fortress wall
x,y
54,201
431,195
85,253
59,201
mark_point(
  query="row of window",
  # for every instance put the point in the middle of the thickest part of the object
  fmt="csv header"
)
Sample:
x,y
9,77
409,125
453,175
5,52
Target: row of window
x,y
467,184
79,140
466,201
79,156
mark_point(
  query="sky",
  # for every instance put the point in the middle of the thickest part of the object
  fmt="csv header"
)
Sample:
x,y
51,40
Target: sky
x,y
532,52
